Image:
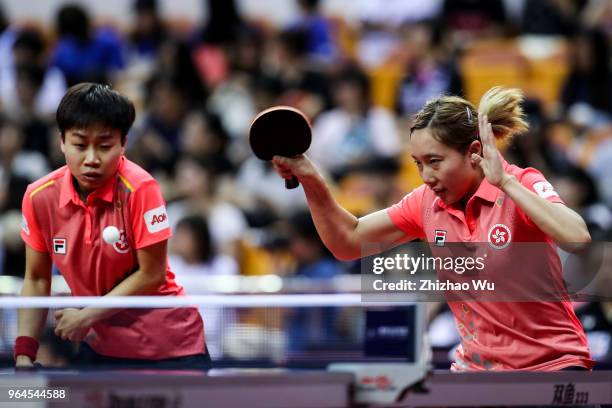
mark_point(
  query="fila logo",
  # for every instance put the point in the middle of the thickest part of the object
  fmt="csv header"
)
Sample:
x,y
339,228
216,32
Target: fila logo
x,y
59,246
439,238
156,219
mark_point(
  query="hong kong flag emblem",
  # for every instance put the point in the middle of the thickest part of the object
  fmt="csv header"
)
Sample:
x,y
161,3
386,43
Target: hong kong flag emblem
x,y
499,236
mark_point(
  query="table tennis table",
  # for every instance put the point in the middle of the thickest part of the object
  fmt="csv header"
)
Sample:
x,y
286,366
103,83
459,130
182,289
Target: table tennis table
x,y
271,388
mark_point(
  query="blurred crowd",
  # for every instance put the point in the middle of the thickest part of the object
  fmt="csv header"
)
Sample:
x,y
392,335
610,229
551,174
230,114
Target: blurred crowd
x,y
198,84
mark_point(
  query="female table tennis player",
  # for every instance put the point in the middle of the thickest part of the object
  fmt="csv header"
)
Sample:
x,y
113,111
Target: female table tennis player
x,y
101,220
469,189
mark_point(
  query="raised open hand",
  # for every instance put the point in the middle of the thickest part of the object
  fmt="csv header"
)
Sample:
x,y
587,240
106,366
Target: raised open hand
x,y
490,161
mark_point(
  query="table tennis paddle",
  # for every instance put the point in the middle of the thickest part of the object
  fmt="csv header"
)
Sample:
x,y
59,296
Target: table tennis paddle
x,y
280,131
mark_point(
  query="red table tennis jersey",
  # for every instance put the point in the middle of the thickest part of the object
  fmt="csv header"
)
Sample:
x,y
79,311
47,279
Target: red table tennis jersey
x,y
57,221
538,335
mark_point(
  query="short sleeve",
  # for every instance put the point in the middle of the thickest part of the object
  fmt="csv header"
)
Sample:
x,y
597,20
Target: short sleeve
x,y
150,223
30,232
407,214
536,182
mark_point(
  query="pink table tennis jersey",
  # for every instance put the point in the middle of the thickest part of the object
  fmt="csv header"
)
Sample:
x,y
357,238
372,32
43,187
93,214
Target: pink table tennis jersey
x,y
538,335
57,221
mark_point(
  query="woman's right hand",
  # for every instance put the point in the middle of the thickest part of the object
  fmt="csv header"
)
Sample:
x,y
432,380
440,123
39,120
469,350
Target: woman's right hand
x,y
23,362
300,166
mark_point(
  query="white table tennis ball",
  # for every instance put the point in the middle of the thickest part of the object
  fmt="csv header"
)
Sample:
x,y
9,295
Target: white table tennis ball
x,y
110,234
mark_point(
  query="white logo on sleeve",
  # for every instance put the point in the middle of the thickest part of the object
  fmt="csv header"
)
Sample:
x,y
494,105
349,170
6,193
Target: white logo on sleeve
x,y
156,219
544,189
24,225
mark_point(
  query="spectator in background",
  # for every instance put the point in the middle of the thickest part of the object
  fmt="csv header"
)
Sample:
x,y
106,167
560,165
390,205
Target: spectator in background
x,y
223,24
14,160
12,250
232,99
312,328
15,175
193,252
148,32
204,136
84,54
596,318
579,192
193,259
551,17
245,57
28,48
320,44
196,186
428,72
598,14
558,136
587,90
355,131
35,127
467,20
175,61
215,41
380,21
303,85
156,145
261,195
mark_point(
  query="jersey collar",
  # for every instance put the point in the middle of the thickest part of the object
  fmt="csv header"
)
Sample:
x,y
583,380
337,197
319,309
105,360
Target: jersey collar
x,y
105,193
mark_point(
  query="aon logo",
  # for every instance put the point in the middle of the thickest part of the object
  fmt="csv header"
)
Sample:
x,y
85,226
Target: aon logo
x,y
156,219
159,218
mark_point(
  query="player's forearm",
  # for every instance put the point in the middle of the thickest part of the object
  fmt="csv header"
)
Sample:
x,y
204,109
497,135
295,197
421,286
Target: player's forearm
x,y
31,322
559,222
335,225
140,283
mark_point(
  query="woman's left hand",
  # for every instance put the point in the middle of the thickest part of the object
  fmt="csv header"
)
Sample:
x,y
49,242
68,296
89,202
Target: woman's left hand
x,y
490,161
71,324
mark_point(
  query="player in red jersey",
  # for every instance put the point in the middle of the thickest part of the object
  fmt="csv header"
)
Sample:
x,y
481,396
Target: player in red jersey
x,y
101,220
471,194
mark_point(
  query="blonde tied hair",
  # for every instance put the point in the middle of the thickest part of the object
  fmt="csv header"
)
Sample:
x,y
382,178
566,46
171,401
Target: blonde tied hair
x,y
503,109
453,120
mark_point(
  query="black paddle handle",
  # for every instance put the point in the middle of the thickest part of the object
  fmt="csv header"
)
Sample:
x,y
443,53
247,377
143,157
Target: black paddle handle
x,y
292,183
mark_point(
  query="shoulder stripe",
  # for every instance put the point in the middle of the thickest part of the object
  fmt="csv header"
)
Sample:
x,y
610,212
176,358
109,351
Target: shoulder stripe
x,y
40,188
127,183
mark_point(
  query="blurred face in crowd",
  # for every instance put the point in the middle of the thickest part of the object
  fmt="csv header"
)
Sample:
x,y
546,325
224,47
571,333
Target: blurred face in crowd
x,y
146,22
583,54
92,155
192,180
184,244
167,102
26,90
348,96
449,173
416,41
10,141
571,191
197,137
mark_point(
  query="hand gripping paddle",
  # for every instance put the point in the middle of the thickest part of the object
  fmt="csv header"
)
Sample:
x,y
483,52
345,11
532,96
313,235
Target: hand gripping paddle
x,y
280,131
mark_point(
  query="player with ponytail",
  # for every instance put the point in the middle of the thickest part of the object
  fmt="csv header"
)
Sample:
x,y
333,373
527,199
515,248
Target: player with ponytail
x,y
471,194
